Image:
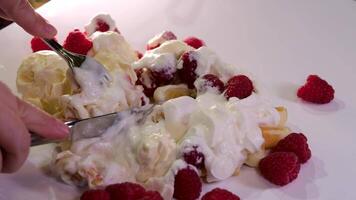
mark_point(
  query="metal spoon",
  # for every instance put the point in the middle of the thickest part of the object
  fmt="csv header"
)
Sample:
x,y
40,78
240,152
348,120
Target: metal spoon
x,y
78,60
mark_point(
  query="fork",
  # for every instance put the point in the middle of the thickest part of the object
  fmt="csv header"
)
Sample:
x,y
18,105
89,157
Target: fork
x,y
78,60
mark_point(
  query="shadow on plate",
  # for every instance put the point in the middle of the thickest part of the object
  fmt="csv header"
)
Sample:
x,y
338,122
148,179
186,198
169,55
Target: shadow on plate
x,y
304,186
334,106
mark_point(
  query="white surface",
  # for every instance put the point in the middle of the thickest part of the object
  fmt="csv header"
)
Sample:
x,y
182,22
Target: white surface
x,y
279,41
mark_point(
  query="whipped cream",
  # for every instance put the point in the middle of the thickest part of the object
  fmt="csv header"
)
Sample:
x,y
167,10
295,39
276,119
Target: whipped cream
x,y
92,26
115,54
160,38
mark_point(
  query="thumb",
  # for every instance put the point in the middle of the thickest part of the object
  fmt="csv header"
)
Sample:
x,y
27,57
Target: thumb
x,y
32,22
40,122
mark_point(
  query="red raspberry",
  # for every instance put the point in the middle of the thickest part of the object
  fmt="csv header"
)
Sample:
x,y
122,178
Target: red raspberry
x,y
280,168
296,143
38,45
145,78
239,86
151,195
102,26
212,81
165,36
77,42
220,194
187,185
194,158
316,90
194,42
187,73
125,191
139,54
95,195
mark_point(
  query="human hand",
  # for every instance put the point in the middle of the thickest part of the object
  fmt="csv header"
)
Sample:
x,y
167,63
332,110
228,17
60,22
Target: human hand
x,y
21,12
17,118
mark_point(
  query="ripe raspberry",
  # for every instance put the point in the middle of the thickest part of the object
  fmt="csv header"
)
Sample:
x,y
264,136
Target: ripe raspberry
x,y
316,90
296,143
102,26
187,185
212,81
194,157
280,168
194,42
220,194
95,195
162,77
187,72
151,195
125,191
159,39
145,78
239,86
37,45
139,54
77,42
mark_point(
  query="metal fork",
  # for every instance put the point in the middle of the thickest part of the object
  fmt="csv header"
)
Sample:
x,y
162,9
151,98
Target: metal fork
x,y
78,60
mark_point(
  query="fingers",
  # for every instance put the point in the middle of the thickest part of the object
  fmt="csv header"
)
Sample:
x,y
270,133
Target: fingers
x,y
25,16
14,141
0,161
40,122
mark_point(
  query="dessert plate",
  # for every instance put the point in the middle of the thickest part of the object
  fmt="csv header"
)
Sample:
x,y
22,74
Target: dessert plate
x,y
280,42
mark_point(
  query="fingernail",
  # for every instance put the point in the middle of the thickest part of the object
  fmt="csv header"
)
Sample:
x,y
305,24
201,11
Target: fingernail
x,y
63,129
50,31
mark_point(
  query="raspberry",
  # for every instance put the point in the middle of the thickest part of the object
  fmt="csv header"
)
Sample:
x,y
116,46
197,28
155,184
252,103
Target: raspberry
x,y
151,195
194,42
139,54
296,143
212,81
316,90
125,191
187,185
145,78
159,39
38,45
280,168
102,26
95,195
77,42
194,158
239,86
187,72
162,77
220,194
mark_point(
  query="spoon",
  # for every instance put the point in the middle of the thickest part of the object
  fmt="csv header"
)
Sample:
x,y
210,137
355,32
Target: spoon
x,y
81,61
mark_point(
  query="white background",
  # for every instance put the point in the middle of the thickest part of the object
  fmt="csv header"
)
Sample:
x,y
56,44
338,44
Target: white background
x,y
280,41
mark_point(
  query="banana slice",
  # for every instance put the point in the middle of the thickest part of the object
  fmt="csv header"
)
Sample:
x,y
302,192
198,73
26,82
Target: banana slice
x,y
283,116
273,135
42,79
167,92
254,158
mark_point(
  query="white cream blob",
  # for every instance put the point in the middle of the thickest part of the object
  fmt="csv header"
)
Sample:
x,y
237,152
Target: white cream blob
x,y
92,26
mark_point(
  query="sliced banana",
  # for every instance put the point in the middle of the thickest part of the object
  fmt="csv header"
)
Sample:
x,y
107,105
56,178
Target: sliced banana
x,y
254,158
167,92
273,135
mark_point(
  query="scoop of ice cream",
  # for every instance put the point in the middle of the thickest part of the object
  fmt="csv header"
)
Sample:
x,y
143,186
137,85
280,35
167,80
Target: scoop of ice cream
x,y
42,78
